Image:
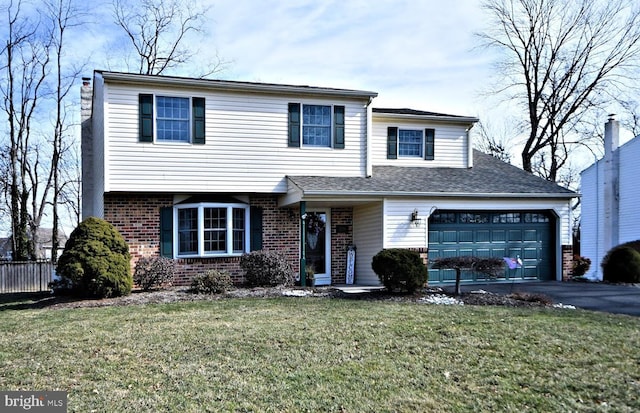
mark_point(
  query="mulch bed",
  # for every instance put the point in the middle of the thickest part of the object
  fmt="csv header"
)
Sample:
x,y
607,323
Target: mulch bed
x,y
180,294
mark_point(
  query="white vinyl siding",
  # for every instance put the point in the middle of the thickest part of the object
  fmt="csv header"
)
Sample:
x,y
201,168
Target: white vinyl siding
x,y
629,191
400,232
450,144
246,145
592,222
367,237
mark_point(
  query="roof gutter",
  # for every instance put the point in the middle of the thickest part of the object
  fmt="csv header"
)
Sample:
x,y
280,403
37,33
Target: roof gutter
x,y
232,86
438,194
458,119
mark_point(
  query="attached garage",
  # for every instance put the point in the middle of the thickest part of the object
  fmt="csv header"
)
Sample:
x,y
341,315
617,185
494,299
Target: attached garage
x,y
524,235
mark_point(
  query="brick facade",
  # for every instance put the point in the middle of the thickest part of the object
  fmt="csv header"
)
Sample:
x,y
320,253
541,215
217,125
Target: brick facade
x,y
137,217
567,262
341,239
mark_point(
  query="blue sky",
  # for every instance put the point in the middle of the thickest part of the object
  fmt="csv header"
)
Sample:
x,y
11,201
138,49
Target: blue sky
x,y
417,54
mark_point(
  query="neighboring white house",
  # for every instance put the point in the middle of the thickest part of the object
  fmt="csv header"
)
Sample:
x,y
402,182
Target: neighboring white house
x,y
610,199
203,171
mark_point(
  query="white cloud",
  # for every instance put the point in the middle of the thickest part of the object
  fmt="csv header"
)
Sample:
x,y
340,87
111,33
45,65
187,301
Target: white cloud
x,y
413,53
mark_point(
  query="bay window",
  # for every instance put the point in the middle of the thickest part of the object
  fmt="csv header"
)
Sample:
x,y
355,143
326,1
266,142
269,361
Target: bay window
x,y
209,229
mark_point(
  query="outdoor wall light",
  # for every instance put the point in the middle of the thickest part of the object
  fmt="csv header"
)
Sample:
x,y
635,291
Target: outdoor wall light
x,y
415,219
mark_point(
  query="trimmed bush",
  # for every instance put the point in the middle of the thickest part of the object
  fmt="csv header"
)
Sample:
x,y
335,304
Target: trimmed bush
x,y
211,282
400,269
266,269
491,266
621,265
95,261
153,272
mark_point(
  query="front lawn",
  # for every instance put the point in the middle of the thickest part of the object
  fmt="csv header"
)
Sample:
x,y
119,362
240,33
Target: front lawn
x,y
311,354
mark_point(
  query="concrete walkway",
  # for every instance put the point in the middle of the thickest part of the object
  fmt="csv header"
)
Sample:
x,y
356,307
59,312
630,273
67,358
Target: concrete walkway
x,y
618,299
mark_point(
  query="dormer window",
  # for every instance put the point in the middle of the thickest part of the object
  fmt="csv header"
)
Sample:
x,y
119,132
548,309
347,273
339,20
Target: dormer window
x,y
410,143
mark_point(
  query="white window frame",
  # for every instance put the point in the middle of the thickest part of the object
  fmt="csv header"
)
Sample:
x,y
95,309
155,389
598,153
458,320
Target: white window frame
x,y
155,120
422,148
302,124
201,253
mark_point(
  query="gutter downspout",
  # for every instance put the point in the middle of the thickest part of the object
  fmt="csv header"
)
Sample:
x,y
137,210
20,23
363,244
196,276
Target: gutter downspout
x,y
368,157
611,207
469,148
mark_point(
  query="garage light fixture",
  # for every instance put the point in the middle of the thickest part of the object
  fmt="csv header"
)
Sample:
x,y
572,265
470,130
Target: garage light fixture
x,y
415,220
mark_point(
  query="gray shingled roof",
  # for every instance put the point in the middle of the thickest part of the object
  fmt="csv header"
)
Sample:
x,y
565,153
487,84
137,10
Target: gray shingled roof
x,y
406,111
488,176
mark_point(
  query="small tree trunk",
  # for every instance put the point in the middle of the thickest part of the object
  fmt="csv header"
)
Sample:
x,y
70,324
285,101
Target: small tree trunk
x,y
457,291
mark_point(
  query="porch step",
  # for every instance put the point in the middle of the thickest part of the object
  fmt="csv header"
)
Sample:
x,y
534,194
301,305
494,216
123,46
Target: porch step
x,y
358,289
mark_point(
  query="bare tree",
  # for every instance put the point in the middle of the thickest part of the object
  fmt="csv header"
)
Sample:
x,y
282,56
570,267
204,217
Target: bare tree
x,y
34,91
561,60
159,30
495,141
63,15
25,64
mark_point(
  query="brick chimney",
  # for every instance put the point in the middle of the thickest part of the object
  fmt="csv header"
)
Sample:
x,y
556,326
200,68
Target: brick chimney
x,y
87,147
611,201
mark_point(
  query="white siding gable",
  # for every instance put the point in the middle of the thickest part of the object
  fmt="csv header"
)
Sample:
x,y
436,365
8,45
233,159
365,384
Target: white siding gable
x,y
246,144
451,143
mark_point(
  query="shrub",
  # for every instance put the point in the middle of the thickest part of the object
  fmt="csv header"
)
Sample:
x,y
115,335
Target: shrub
x,y
153,272
266,268
491,266
95,261
621,264
580,266
400,269
211,282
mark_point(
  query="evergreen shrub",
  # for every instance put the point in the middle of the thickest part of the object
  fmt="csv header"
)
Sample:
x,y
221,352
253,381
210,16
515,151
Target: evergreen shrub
x,y
95,262
621,265
400,269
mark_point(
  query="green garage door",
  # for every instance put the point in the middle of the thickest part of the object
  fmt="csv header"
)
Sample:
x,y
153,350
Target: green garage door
x,y
516,234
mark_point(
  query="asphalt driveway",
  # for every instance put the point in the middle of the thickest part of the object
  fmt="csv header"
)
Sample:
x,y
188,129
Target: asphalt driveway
x,y
619,299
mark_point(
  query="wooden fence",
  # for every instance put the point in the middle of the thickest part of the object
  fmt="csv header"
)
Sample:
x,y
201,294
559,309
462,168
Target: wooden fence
x,y
28,276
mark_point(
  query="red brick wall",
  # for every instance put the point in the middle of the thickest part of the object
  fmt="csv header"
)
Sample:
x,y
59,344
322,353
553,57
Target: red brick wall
x,y
340,243
567,262
137,217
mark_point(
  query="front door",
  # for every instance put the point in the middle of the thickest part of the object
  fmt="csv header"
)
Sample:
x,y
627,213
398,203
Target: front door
x,y
318,245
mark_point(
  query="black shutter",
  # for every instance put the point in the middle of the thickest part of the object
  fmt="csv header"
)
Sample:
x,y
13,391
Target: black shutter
x,y
145,114
392,143
166,232
294,125
255,240
338,127
429,144
198,120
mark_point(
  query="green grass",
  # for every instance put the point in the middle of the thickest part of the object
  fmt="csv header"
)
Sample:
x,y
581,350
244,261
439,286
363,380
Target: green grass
x,y
303,354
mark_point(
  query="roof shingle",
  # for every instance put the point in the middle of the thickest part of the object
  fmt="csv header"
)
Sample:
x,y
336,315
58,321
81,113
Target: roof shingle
x,y
489,175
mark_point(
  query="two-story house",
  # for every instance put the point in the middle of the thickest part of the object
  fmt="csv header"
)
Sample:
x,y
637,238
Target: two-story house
x,y
203,171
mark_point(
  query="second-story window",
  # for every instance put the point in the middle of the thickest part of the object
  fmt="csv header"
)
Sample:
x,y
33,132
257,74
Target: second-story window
x,y
172,119
410,143
316,125
320,126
